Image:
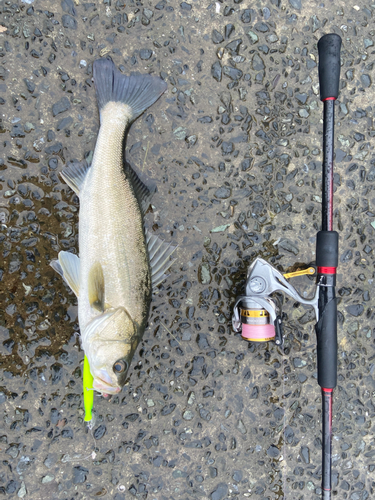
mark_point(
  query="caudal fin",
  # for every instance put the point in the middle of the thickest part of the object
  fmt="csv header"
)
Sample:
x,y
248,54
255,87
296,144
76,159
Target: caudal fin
x,y
138,91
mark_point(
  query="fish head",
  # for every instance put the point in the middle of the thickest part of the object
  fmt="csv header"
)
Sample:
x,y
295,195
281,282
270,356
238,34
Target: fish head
x,y
109,342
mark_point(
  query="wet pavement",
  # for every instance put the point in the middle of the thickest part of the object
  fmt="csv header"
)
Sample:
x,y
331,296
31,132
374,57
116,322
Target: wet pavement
x,y
235,148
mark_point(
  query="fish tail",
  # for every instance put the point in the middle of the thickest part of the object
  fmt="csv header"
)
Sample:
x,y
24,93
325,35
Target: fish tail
x,y
137,91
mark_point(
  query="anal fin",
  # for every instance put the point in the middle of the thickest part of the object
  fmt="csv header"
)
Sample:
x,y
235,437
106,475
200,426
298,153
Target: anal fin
x,y
160,257
74,175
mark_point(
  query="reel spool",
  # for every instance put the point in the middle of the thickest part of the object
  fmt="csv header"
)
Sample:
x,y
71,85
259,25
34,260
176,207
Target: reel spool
x,y
256,325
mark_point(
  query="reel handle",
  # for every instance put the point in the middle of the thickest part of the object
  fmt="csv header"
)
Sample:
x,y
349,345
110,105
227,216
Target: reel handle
x,y
329,66
279,331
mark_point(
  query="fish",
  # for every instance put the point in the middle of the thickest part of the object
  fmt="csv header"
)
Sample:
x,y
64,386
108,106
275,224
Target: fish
x,y
119,262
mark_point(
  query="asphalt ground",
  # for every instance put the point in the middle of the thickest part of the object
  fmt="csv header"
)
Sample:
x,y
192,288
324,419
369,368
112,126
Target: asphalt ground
x,y
235,147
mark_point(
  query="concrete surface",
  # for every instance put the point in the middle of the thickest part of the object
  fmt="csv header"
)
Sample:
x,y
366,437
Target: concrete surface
x,y
235,148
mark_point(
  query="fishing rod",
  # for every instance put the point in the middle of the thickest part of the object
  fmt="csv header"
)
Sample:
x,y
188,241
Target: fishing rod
x,y
257,314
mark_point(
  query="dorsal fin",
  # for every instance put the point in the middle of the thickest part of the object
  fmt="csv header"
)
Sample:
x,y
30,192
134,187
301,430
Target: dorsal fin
x,y
68,267
142,192
159,254
74,175
96,287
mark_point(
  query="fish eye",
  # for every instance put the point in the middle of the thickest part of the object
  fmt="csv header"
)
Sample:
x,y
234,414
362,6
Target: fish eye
x,y
120,366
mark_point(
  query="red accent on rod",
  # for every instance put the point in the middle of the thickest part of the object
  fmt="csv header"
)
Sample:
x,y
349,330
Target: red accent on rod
x,y
326,270
327,390
329,99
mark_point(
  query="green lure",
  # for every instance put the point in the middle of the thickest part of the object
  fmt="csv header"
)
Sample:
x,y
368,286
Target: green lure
x,y
88,391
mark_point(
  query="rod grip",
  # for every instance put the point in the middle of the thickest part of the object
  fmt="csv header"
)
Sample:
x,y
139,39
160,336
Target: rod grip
x,y
329,65
327,249
326,336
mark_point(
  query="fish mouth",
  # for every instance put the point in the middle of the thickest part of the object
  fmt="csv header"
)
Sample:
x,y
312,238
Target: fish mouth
x,y
103,387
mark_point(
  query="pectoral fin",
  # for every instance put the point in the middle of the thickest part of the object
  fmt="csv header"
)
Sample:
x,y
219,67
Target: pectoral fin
x,y
68,267
96,287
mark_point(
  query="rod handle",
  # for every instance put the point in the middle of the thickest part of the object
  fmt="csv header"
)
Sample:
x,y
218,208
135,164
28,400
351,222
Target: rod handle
x,y
327,249
329,66
326,336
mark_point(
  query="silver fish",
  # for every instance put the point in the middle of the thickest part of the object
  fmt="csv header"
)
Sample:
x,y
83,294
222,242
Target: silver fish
x,y
119,260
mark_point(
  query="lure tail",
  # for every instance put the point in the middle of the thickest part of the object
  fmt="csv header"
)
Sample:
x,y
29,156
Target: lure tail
x,y
88,391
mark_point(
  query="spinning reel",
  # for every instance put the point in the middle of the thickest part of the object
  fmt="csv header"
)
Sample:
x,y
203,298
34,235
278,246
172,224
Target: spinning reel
x,y
256,314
